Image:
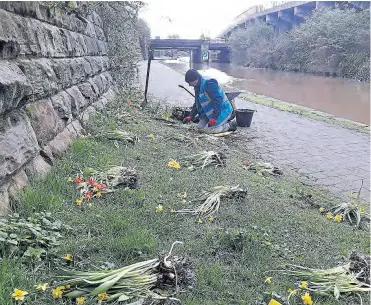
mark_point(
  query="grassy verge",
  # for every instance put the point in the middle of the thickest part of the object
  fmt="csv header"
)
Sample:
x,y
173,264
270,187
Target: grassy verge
x,y
271,227
304,111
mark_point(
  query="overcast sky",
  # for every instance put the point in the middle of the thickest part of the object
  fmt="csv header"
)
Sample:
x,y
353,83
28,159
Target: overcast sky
x,y
192,18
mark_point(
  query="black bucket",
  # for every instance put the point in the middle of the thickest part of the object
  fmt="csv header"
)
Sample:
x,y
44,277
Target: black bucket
x,y
244,117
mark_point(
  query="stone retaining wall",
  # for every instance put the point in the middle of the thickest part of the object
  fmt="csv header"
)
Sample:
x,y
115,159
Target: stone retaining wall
x,y
54,73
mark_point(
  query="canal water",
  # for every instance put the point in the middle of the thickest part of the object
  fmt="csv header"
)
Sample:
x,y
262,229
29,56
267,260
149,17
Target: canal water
x,y
345,98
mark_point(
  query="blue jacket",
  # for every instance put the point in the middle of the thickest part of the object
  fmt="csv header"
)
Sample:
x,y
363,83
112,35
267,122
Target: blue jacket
x,y
211,101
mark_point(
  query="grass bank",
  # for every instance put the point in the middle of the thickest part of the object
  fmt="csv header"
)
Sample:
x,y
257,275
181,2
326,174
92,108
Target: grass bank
x,y
274,225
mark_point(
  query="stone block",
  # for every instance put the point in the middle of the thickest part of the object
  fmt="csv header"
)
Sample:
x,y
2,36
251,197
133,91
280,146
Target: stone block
x,y
60,143
44,120
86,115
62,103
41,76
100,33
17,182
79,103
38,167
92,47
14,86
17,141
88,92
96,64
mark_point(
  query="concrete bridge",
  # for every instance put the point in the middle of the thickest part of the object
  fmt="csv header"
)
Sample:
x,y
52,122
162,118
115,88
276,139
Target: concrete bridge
x,y
287,15
199,48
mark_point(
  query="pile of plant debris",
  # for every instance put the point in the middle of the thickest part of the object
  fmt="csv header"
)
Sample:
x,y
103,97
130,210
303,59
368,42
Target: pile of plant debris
x,y
156,279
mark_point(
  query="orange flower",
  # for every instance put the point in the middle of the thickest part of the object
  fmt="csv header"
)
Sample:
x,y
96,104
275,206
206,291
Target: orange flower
x,y
88,195
78,180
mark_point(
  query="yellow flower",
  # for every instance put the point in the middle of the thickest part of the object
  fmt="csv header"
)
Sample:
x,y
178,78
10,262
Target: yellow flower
x,y
99,194
338,218
159,208
42,287
70,179
57,293
268,280
19,294
102,297
68,286
68,257
321,209
274,302
173,164
203,211
78,201
184,201
200,221
211,218
304,284
184,195
172,211
329,215
95,189
307,300
80,301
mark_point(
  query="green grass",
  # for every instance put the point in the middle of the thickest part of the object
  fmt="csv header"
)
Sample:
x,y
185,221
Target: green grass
x,y
121,228
307,112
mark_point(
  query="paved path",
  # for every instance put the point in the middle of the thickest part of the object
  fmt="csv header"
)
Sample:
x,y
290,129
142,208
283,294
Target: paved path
x,y
326,155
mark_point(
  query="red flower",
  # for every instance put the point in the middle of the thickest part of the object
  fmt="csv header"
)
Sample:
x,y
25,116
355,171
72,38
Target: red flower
x,y
135,110
91,181
101,186
130,103
78,180
245,163
89,195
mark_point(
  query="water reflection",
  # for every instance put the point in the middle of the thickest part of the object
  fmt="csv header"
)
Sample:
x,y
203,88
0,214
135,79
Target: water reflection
x,y
345,98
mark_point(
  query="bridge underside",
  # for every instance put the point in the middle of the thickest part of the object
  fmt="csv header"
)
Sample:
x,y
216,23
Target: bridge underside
x,y
289,15
197,48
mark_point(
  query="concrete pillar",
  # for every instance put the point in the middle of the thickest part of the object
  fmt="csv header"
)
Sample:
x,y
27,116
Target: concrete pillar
x,y
196,55
286,20
225,56
272,19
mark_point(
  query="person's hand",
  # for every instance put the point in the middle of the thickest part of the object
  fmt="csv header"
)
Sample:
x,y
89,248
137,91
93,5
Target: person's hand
x,y
187,119
212,122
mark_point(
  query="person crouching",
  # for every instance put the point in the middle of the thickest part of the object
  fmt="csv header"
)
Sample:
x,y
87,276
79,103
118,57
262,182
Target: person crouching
x,y
211,105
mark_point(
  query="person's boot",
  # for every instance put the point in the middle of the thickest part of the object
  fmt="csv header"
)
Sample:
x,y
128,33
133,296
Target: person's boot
x,y
232,125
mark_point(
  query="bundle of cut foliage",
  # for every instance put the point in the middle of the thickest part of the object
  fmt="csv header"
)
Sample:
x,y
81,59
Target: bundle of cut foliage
x,y
117,176
117,135
205,158
156,279
353,277
211,201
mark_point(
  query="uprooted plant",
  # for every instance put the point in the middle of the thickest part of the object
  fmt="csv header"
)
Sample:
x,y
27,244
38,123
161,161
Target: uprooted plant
x,y
353,277
116,135
264,169
204,159
101,182
353,210
212,200
156,279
